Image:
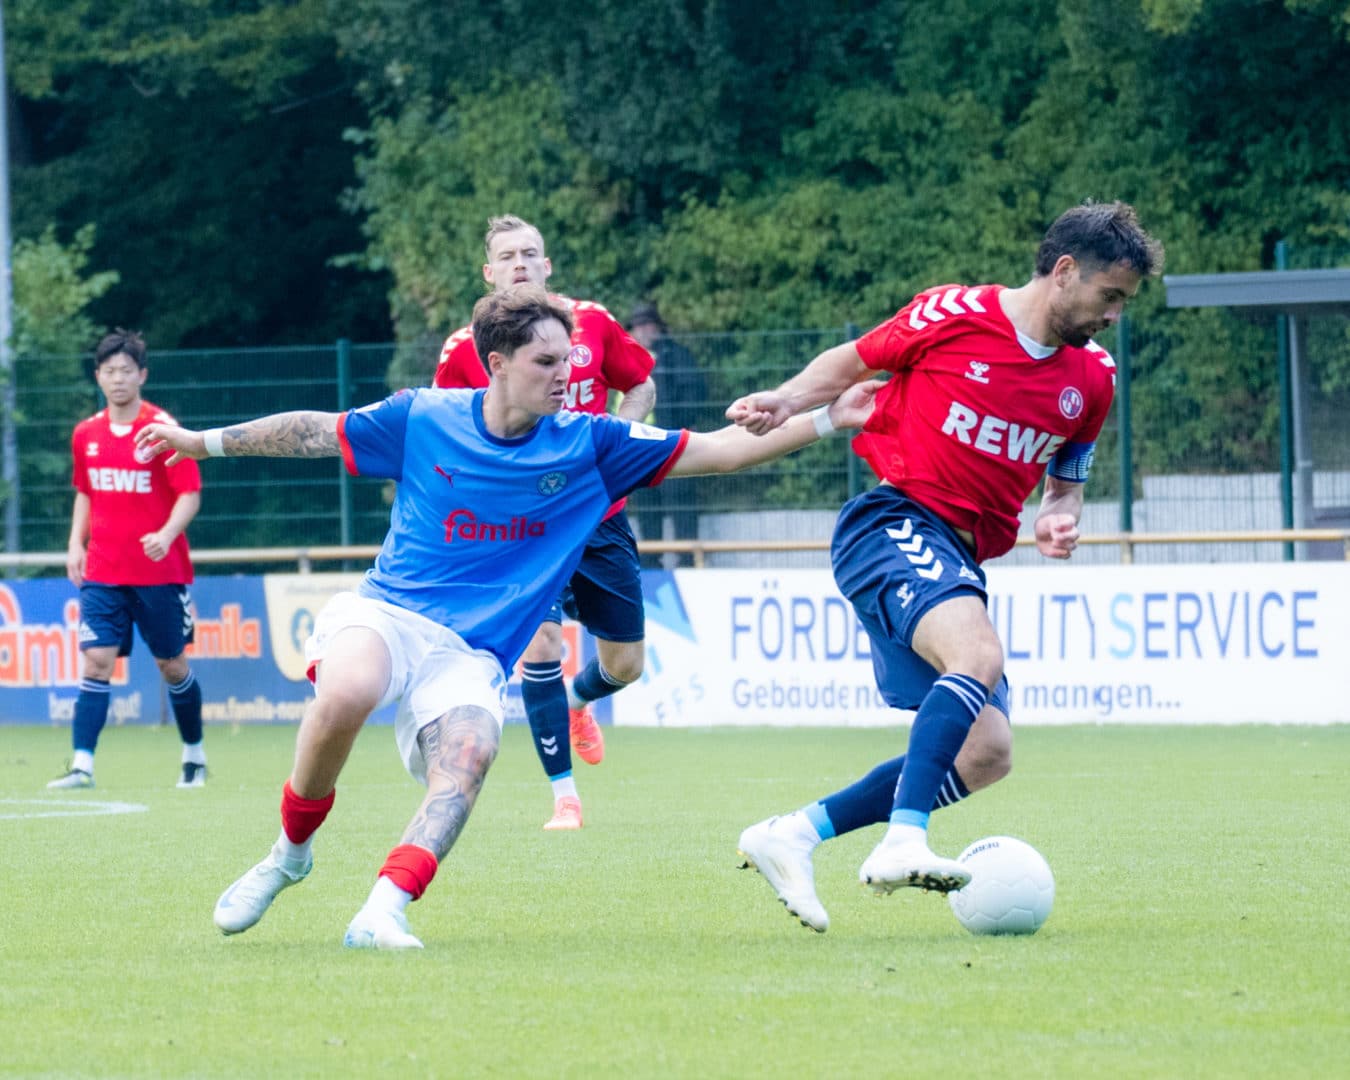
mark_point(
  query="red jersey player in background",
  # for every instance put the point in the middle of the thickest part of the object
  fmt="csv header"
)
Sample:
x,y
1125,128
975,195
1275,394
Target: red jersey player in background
x,y
605,593
992,389
128,556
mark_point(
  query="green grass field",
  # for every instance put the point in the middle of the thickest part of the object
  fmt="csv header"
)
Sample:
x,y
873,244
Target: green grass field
x,y
1201,925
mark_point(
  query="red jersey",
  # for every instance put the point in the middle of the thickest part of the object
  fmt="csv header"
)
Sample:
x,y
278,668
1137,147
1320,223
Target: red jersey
x,y
129,498
970,421
604,357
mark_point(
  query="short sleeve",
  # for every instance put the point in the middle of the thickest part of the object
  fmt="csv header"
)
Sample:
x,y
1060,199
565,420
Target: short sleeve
x,y
372,438
631,455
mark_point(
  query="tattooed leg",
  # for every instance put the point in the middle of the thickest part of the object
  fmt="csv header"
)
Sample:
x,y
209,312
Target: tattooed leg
x,y
459,748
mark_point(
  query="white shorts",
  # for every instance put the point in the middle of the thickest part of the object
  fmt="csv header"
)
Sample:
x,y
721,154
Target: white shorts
x,y
432,670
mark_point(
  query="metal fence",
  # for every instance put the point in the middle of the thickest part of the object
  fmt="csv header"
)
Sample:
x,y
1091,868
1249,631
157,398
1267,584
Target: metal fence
x,y
1195,442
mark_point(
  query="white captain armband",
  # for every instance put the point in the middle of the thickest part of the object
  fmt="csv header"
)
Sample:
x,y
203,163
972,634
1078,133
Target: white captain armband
x,y
213,438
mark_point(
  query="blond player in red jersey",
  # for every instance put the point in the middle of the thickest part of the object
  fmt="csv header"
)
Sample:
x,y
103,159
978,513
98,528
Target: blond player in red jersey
x,y
128,556
992,390
605,593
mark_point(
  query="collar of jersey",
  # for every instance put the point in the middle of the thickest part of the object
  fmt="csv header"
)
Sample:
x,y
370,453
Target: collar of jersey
x,y
482,427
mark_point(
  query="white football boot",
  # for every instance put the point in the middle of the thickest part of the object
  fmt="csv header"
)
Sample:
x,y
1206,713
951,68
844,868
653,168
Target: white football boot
x,y
780,849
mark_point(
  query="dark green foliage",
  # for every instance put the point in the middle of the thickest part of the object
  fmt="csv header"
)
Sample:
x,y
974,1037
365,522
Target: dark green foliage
x,y
754,167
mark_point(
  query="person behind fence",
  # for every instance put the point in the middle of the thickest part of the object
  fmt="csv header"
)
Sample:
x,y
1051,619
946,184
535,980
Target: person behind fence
x,y
497,494
992,390
605,593
683,404
128,555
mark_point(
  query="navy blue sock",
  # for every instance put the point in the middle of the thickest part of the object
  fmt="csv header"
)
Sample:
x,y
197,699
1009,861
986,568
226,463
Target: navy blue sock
x,y
595,682
953,790
91,713
186,699
940,727
545,697
868,801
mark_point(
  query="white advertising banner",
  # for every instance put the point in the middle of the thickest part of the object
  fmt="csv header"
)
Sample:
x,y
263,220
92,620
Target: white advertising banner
x,y
1213,644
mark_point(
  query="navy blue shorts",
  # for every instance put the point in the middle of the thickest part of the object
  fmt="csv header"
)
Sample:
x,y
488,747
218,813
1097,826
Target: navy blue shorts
x,y
162,613
605,593
894,559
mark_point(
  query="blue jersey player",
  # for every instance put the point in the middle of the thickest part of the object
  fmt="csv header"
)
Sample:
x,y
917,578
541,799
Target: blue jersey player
x,y
498,491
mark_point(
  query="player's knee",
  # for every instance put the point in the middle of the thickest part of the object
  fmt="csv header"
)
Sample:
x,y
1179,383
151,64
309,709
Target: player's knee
x,y
99,667
342,701
627,670
992,758
986,755
622,660
983,660
465,739
174,670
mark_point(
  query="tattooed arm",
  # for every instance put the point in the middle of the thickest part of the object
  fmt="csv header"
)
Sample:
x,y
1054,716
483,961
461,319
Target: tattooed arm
x,y
303,434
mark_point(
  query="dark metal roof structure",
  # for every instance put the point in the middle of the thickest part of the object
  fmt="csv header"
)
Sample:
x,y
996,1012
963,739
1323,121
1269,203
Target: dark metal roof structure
x,y
1289,292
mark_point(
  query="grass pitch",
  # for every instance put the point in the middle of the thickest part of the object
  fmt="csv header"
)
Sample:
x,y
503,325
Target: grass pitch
x,y
1200,925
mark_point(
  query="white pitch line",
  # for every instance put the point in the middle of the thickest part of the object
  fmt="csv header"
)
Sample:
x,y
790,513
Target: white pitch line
x,y
68,808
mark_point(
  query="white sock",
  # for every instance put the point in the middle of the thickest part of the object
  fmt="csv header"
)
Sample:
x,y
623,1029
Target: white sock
x,y
293,855
906,834
386,896
573,702
83,760
564,786
799,823
194,754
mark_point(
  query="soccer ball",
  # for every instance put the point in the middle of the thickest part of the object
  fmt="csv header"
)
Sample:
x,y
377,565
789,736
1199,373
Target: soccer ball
x,y
1011,887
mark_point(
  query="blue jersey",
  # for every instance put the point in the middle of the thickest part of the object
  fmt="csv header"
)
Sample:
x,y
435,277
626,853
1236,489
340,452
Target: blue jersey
x,y
485,532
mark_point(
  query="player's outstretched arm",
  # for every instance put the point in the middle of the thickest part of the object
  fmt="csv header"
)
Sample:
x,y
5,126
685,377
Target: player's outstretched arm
x,y
303,434
1057,519
822,380
733,447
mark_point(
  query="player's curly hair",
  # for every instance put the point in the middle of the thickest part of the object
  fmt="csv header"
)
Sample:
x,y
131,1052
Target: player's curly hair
x,y
504,321
120,341
1099,235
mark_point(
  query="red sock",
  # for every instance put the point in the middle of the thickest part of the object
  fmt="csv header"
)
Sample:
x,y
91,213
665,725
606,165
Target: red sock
x,y
411,868
301,817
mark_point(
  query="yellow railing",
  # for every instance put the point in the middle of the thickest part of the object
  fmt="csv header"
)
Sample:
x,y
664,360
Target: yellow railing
x,y
304,557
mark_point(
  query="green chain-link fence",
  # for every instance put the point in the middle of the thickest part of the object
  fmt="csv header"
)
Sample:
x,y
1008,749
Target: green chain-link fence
x,y
1194,442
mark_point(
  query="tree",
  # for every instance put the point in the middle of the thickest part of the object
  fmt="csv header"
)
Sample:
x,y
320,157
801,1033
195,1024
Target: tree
x,y
206,143
53,290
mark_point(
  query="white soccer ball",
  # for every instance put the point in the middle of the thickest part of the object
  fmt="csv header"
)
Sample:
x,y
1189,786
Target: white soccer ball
x,y
1011,887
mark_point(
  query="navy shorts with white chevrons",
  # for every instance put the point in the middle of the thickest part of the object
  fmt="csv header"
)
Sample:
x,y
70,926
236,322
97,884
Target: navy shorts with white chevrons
x,y
894,559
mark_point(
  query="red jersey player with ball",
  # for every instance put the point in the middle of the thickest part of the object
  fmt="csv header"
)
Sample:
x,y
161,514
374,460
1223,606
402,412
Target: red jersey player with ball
x,y
992,389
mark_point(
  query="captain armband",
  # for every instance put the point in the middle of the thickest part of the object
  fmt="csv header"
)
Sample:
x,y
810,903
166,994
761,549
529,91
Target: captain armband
x,y
213,439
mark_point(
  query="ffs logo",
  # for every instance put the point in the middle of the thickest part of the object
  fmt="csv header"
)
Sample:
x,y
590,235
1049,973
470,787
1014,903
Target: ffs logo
x,y
552,483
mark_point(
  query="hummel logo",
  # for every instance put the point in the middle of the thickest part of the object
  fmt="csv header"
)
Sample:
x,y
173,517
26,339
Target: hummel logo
x,y
978,372
915,548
